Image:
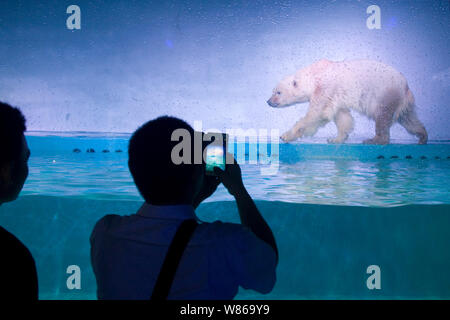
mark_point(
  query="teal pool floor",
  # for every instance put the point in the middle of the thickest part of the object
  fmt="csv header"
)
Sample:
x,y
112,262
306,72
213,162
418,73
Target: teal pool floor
x,y
324,250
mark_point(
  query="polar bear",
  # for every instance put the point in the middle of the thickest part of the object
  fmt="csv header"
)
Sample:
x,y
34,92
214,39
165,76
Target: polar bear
x,y
333,88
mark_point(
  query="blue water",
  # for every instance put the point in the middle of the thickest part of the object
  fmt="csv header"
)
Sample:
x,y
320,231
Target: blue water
x,y
305,173
334,211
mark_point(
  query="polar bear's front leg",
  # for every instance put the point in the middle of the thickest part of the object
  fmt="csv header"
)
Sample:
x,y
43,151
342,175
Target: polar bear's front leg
x,y
306,126
344,123
291,135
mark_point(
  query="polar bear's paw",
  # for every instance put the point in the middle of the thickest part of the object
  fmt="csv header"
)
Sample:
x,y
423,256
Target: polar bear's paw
x,y
288,136
376,140
335,140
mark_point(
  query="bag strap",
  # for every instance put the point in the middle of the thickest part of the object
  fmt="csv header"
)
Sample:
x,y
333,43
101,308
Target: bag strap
x,y
170,265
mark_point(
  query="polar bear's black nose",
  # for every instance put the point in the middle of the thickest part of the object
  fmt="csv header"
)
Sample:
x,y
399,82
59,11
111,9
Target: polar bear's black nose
x,y
270,103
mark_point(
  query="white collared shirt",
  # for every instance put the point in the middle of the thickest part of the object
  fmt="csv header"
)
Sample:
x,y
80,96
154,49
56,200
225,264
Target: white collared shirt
x,y
127,253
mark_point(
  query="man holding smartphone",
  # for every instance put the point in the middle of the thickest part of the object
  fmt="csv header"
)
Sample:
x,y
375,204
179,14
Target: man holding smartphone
x,y
129,253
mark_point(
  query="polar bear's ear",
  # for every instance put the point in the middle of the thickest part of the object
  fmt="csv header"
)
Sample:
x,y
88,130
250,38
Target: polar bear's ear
x,y
294,83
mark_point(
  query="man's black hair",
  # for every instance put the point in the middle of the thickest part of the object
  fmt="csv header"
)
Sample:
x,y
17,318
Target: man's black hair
x,y
12,127
158,179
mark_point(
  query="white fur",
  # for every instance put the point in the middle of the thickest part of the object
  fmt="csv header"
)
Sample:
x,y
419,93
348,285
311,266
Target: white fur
x,y
332,88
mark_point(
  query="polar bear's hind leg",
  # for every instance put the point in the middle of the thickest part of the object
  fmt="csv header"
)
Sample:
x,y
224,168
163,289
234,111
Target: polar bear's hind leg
x,y
413,125
384,118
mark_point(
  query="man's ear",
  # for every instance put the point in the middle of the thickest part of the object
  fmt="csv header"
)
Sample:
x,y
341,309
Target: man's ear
x,y
6,170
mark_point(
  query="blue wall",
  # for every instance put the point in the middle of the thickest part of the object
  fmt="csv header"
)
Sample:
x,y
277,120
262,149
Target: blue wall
x,y
215,61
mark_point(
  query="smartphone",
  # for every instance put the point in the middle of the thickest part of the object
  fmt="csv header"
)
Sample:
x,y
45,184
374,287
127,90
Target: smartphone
x,y
216,152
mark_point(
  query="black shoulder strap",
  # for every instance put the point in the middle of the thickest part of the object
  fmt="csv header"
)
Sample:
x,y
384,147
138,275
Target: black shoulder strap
x,y
170,265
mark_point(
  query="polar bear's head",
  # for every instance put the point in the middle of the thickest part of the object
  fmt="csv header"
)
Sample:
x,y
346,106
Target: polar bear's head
x,y
291,90
298,88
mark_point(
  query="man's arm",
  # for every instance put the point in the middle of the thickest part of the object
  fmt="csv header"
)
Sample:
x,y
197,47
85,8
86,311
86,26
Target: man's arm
x,y
252,218
248,212
209,186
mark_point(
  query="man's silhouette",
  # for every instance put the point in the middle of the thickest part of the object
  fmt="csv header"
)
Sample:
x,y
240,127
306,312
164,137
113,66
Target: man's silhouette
x,y
127,252
18,279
